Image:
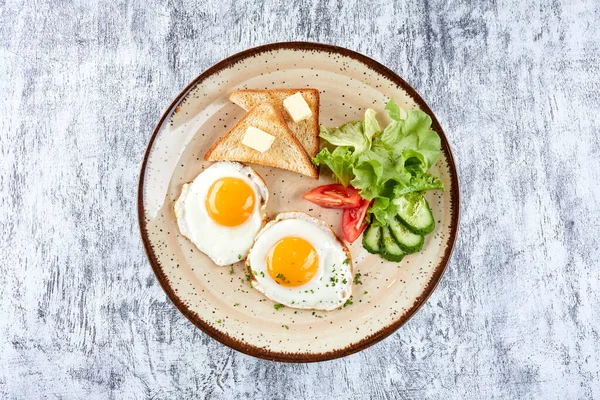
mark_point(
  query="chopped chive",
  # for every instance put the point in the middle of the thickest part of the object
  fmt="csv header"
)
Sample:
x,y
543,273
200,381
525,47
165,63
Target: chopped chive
x,y
357,280
348,302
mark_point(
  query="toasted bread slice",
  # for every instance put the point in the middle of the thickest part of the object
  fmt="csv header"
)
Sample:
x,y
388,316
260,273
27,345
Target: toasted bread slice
x,y
285,152
306,131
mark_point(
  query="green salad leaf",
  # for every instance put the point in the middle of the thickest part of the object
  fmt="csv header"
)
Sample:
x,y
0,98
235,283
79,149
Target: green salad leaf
x,y
383,210
339,161
383,164
419,182
350,135
413,139
394,110
370,125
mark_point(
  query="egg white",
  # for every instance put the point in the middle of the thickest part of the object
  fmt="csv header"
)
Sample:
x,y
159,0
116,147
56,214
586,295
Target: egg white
x,y
225,245
331,286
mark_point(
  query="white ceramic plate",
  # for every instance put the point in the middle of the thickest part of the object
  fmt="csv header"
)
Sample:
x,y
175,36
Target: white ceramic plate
x,y
224,305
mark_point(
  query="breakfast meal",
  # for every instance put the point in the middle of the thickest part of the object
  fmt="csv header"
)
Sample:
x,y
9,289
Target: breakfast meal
x,y
295,259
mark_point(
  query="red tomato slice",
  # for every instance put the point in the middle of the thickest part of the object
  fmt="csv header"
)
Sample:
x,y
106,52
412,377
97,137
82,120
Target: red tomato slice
x,y
354,221
334,196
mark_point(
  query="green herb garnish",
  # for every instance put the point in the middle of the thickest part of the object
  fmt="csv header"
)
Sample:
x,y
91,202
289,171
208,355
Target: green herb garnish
x,y
348,302
281,277
357,280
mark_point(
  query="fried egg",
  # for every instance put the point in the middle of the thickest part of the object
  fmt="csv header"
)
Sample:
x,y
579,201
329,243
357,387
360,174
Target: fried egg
x,y
222,210
299,262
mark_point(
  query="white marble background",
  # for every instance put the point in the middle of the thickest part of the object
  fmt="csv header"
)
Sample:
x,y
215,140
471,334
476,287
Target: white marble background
x,y
515,85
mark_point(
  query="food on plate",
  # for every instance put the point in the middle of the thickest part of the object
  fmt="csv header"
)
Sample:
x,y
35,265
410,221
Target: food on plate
x,y
222,210
299,262
390,250
372,238
297,107
389,169
334,196
354,221
393,241
306,131
408,241
415,213
257,139
285,152
354,216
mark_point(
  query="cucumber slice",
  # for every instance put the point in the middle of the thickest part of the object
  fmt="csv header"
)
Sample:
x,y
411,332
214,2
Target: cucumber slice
x,y
414,211
390,249
409,242
372,238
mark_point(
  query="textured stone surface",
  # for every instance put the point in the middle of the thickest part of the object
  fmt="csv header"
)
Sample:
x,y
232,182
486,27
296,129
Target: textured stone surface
x,y
515,85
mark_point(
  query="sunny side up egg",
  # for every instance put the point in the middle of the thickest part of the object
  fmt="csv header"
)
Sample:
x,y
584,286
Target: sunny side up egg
x,y
299,262
222,210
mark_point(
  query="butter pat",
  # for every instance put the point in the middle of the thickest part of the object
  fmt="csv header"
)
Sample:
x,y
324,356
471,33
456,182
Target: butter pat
x,y
257,139
297,107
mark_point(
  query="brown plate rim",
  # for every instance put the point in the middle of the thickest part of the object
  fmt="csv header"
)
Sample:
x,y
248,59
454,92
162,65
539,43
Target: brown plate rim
x,y
367,341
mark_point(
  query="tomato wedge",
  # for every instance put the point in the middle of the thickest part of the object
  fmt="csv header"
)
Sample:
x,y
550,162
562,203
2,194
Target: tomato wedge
x,y
334,196
354,221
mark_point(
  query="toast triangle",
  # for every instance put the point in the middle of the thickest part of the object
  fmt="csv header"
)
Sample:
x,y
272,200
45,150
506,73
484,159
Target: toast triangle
x,y
285,152
306,131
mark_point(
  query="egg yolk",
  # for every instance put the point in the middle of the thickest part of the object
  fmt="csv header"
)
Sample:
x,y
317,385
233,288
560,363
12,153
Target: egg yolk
x,y
230,201
292,261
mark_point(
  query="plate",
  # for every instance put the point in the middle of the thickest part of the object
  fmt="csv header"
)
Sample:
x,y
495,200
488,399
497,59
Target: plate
x,y
221,302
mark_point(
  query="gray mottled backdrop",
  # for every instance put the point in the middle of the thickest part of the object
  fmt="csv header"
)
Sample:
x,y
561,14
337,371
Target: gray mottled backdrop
x,y
515,85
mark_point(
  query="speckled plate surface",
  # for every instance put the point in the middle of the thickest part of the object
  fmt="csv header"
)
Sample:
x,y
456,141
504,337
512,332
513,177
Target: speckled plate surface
x,y
224,305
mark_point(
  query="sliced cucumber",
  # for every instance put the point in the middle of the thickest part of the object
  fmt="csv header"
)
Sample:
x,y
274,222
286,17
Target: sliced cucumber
x,y
372,238
414,211
390,250
408,241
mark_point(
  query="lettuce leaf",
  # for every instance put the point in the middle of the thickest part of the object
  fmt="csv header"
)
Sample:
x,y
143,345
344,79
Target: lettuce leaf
x,y
370,125
340,162
393,110
413,139
383,164
348,135
419,182
374,168
383,210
